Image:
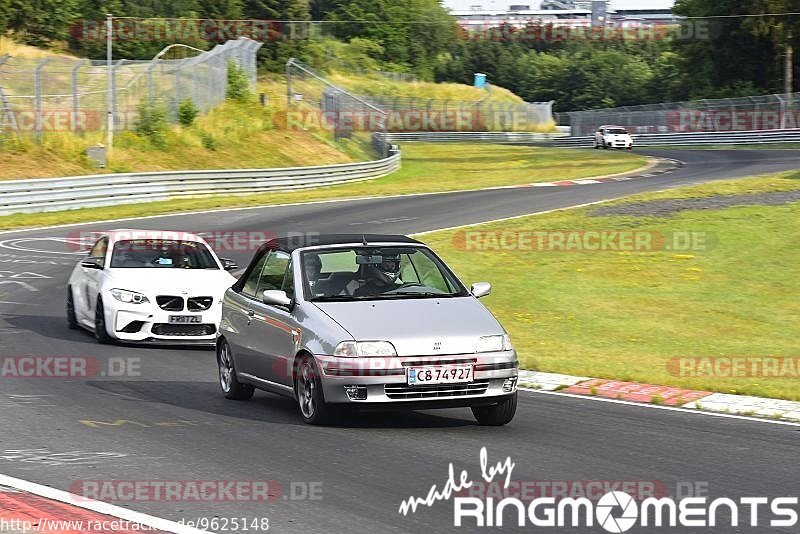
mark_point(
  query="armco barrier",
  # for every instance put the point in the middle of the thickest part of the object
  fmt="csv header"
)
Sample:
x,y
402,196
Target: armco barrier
x,y
53,194
695,138
472,137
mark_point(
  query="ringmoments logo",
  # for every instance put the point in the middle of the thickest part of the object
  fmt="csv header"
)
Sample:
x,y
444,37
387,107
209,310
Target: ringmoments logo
x,y
615,511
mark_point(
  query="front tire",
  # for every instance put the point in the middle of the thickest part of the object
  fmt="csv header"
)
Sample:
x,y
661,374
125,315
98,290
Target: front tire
x,y
72,321
497,415
310,398
230,385
100,330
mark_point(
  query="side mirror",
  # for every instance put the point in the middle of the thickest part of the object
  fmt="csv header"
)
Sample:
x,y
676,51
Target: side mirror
x,y
481,289
92,263
276,297
228,264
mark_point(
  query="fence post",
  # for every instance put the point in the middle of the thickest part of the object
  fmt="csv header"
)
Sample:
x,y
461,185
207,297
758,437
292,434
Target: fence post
x,y
75,102
3,102
37,91
114,109
289,83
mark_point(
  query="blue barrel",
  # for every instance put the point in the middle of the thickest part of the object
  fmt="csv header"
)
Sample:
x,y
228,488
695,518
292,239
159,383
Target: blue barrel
x,y
480,79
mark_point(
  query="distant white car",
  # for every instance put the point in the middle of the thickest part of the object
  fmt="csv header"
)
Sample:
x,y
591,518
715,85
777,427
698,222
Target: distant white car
x,y
612,137
149,286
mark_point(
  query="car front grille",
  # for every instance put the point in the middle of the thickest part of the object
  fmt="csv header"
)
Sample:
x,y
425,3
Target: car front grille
x,y
403,392
199,303
187,330
170,302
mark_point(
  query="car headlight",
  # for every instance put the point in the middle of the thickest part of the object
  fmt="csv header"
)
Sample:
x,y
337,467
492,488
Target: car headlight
x,y
494,343
129,297
364,349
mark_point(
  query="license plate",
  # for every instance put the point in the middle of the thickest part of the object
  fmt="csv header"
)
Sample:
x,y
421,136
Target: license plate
x,y
185,319
439,374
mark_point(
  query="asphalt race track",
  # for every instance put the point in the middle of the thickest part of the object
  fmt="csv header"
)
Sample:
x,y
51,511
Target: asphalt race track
x,y
172,423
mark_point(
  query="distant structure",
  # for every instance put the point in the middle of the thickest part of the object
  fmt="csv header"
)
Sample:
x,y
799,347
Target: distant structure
x,y
570,13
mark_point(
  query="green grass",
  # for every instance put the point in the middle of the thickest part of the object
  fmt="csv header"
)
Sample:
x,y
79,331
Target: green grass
x,y
378,86
754,146
624,315
426,168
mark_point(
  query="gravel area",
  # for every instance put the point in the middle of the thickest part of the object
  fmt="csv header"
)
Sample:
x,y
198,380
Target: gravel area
x,y
666,208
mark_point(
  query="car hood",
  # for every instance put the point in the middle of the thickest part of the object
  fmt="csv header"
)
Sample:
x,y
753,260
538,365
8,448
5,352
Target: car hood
x,y
416,326
197,282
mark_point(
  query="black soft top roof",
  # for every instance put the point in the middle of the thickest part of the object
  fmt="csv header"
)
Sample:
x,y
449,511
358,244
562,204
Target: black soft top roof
x,y
290,244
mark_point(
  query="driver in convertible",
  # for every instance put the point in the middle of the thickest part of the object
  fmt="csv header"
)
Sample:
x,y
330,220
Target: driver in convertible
x,y
380,278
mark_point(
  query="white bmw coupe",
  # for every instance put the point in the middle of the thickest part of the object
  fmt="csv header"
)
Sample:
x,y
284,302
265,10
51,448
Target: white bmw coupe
x,y
149,286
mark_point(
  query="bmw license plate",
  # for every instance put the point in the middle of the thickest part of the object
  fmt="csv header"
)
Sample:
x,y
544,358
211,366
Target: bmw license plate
x,y
439,374
185,319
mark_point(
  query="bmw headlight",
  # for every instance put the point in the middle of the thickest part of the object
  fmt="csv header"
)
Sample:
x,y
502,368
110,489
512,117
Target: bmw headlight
x,y
129,297
494,343
364,349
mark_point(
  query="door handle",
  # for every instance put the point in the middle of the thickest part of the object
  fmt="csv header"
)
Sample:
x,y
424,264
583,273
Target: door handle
x,y
251,313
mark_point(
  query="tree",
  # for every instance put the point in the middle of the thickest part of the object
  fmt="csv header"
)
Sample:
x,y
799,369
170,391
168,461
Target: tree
x,y
42,21
412,33
5,14
782,31
722,53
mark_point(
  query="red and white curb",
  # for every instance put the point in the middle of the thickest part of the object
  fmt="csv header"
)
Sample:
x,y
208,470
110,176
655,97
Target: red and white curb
x,y
661,395
52,511
657,167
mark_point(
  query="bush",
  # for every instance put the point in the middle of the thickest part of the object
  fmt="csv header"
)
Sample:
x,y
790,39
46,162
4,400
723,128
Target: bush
x,y
187,112
238,85
209,143
152,125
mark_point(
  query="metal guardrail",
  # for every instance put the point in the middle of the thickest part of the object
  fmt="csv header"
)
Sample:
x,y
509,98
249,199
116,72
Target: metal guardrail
x,y
695,139
472,137
53,194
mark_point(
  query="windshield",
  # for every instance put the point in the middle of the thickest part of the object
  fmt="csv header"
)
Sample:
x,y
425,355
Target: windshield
x,y
161,254
616,131
368,273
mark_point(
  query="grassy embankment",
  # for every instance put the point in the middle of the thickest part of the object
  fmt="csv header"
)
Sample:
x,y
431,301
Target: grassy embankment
x,y
626,315
426,168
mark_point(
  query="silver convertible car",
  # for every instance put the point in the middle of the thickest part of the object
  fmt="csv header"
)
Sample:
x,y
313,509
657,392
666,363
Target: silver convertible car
x,y
366,321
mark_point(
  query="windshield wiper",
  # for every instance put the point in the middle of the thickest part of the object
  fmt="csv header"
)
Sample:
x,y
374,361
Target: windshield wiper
x,y
337,298
417,294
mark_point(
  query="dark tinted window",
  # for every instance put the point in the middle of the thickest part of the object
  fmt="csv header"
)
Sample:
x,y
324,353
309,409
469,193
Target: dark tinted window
x,y
161,254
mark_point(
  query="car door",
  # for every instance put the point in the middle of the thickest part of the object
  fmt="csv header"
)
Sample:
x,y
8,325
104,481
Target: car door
x,y
274,327
85,295
239,315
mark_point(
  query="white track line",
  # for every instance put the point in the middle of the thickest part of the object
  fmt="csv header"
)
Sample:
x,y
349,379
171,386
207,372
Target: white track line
x,y
307,203
47,492
666,408
577,206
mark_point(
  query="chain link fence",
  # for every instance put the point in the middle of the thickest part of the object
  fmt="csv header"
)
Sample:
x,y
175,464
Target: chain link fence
x,y
315,103
473,116
750,113
63,94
